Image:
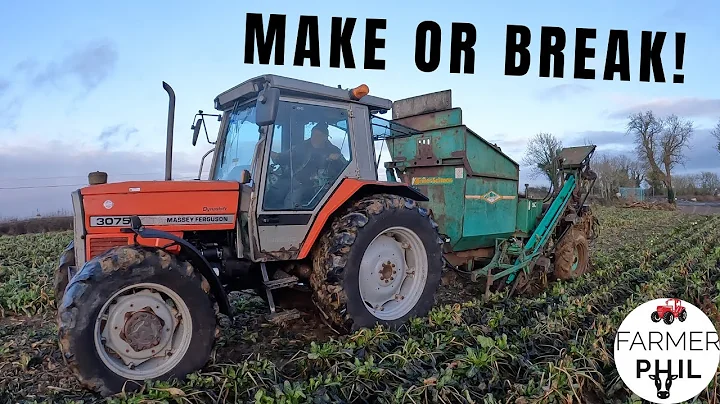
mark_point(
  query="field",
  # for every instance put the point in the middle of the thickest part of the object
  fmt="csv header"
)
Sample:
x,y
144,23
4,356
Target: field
x,y
551,348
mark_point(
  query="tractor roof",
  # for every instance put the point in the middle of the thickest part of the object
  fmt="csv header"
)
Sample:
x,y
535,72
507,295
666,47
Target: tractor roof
x,y
250,89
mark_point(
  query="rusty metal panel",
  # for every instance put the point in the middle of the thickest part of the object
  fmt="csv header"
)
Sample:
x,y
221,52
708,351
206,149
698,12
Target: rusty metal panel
x,y
422,104
433,120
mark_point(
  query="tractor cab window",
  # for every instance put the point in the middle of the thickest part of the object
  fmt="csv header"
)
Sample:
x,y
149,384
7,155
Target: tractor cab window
x,y
237,150
310,150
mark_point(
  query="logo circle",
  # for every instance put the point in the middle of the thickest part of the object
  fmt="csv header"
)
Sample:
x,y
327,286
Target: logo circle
x,y
667,351
108,204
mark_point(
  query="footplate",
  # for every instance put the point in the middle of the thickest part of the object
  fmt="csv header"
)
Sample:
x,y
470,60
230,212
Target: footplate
x,y
281,283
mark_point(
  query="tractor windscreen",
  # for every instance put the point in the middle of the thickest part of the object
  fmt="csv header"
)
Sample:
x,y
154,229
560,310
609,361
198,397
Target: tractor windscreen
x,y
237,149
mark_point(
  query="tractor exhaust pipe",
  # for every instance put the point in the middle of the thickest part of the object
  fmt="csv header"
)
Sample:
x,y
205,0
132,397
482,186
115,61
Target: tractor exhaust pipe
x,y
170,126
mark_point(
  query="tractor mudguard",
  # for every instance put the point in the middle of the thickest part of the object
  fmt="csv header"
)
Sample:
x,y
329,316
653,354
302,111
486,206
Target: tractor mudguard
x,y
190,253
350,189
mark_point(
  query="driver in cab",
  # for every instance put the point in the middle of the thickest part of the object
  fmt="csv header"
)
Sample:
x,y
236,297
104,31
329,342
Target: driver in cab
x,y
309,159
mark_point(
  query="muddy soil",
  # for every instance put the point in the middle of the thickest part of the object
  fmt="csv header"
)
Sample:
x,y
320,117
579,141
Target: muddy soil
x,y
33,368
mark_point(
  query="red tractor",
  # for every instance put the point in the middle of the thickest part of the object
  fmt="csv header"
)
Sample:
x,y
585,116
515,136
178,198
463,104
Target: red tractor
x,y
672,309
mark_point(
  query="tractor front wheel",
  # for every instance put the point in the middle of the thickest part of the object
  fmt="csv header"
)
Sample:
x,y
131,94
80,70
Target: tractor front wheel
x,y
135,314
572,255
655,317
381,262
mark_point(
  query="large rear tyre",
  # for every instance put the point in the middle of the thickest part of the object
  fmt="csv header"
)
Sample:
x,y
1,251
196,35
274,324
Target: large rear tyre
x,y
135,314
572,255
380,263
67,260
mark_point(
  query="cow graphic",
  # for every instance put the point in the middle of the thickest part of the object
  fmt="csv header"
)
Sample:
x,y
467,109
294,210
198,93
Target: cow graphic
x,y
663,393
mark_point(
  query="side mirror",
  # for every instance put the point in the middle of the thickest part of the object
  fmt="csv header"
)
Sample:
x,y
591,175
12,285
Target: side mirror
x,y
244,176
196,130
266,106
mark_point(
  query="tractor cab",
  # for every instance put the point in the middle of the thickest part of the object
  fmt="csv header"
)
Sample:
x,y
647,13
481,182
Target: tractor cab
x,y
672,304
291,144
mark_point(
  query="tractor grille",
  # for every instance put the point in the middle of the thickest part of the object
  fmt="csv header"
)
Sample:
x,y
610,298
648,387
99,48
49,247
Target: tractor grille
x,y
100,245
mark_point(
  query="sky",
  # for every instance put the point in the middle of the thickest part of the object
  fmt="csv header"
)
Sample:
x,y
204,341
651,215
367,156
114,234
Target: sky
x,y
81,82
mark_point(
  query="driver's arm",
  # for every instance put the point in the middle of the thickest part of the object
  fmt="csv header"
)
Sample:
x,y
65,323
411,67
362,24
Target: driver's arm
x,y
336,155
280,158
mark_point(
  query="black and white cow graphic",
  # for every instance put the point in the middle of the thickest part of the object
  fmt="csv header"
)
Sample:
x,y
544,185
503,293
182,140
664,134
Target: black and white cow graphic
x,y
663,392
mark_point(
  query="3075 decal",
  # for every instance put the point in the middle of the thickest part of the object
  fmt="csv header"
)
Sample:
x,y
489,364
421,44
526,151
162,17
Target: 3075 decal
x,y
112,221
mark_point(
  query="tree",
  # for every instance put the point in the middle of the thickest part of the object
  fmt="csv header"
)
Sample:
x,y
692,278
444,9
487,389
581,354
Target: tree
x,y
709,182
615,172
716,132
541,155
660,144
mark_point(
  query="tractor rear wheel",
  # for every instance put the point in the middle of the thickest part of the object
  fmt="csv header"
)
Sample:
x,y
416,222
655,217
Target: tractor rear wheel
x,y
67,260
380,262
572,255
134,314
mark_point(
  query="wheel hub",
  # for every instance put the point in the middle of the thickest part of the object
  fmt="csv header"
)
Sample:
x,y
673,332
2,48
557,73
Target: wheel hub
x,y
139,327
143,330
387,272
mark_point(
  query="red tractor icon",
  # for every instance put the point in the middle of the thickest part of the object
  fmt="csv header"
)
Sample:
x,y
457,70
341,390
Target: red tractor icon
x,y
671,310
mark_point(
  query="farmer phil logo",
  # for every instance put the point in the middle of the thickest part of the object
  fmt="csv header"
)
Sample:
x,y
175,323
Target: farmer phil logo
x,y
667,351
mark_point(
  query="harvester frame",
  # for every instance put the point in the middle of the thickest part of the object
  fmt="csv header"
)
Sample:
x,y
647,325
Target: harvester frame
x,y
355,242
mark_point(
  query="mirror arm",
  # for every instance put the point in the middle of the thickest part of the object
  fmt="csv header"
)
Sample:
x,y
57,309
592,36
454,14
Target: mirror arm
x,y
206,133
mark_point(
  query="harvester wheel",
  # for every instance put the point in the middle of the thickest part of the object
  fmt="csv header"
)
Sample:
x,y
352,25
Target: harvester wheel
x,y
380,262
572,255
67,259
134,314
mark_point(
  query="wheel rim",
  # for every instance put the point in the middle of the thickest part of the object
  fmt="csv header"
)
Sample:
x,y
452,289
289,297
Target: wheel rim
x,y
393,273
576,259
143,331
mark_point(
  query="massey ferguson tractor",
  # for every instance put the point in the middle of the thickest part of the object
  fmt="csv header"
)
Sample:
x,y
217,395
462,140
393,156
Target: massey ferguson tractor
x,y
293,200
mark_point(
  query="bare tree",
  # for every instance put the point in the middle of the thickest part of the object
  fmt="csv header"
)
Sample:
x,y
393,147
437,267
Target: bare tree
x,y
709,182
660,145
716,132
615,172
541,155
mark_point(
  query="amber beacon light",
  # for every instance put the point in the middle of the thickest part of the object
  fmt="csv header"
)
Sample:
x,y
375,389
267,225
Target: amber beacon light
x,y
359,92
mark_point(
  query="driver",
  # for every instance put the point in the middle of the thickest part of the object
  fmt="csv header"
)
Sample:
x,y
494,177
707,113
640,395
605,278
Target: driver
x,y
311,155
309,159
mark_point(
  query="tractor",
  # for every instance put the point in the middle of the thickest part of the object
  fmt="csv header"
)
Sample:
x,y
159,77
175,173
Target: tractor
x,y
294,200
672,309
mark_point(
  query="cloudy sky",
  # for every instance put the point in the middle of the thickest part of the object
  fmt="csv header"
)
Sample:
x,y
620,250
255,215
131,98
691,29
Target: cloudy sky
x,y
81,84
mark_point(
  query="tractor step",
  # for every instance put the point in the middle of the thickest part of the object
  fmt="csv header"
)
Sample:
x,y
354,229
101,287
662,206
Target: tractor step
x,y
270,285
